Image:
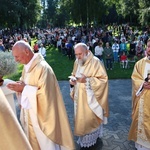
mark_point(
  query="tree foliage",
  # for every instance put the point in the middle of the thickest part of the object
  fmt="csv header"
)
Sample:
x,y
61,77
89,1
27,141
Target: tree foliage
x,y
19,13
26,13
144,11
136,10
98,11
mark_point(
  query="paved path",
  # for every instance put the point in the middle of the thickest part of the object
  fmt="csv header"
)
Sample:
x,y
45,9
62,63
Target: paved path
x,y
116,131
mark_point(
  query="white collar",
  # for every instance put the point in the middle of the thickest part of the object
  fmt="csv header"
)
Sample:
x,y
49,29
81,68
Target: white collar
x,y
27,66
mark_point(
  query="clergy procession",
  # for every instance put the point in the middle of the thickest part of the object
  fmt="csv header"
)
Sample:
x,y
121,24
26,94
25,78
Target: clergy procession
x,y
43,122
75,75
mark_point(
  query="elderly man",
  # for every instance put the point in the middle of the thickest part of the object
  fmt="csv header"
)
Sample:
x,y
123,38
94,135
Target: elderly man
x,y
89,90
140,127
43,114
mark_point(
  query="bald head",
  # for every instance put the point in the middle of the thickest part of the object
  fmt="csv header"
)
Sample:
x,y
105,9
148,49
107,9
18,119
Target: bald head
x,y
22,52
22,45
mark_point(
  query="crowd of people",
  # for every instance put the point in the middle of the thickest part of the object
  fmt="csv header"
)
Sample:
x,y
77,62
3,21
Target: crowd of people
x,y
120,38
43,115
107,43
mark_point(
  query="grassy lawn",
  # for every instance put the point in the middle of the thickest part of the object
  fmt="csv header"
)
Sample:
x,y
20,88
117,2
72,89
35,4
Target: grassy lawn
x,y
120,73
61,64
62,67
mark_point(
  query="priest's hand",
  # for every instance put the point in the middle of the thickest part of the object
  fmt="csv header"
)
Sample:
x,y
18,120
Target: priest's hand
x,y
82,79
72,82
146,85
17,86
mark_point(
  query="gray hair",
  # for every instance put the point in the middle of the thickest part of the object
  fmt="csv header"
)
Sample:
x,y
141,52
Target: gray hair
x,y
84,46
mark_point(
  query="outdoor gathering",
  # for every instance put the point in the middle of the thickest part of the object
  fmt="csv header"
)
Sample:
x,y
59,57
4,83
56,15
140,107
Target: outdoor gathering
x,y
75,75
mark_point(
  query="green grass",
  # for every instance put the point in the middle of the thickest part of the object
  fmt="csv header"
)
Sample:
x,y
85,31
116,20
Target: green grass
x,y
62,67
61,64
120,73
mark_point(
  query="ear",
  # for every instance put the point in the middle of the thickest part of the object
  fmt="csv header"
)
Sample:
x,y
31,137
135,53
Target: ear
x,y
26,51
87,51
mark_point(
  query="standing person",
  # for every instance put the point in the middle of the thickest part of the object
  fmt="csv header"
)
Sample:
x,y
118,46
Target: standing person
x,y
108,56
42,50
115,48
99,51
43,114
90,94
12,136
140,126
132,50
123,47
69,47
35,47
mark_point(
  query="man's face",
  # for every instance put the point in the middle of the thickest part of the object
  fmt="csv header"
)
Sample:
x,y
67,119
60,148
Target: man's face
x,y
148,49
81,55
19,55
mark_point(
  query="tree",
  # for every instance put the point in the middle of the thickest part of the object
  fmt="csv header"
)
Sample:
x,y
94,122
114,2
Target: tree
x,y
19,13
126,8
29,12
88,11
8,13
144,11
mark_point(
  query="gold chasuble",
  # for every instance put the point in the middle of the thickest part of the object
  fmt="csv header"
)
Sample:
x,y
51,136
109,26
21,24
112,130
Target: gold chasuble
x,y
49,107
12,136
140,127
86,119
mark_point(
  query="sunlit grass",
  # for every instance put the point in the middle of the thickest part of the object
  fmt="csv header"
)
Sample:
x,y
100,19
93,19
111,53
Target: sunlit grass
x,y
61,64
120,73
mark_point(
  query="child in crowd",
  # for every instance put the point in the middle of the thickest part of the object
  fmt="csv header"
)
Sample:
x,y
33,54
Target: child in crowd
x,y
124,60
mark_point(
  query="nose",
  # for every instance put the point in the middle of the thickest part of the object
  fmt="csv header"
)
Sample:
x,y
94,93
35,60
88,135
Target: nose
x,y
77,56
16,59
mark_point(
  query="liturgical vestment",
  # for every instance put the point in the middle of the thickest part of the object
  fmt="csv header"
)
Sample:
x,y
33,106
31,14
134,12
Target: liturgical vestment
x,y
43,113
12,136
140,127
91,98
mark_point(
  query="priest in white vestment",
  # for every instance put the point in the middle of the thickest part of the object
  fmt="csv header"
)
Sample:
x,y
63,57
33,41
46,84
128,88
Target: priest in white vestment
x,y
43,114
140,126
89,91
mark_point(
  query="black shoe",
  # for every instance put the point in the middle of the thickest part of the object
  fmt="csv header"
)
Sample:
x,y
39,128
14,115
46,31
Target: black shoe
x,y
99,144
88,148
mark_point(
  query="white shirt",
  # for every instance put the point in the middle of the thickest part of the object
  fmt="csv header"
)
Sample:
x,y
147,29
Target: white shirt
x,y
115,47
99,50
42,51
